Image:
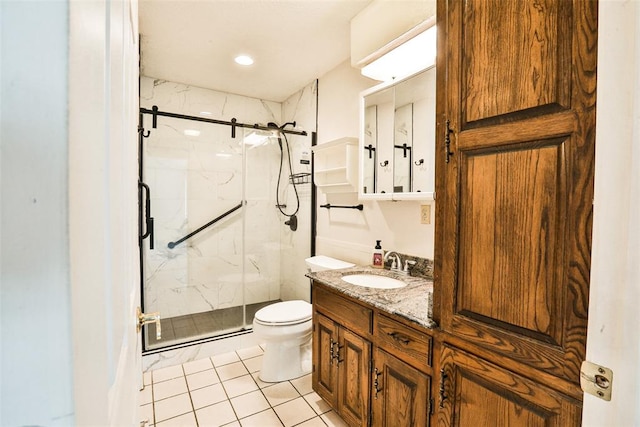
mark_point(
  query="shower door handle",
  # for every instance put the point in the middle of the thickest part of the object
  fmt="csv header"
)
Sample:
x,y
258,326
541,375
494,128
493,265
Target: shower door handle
x,y
146,318
148,219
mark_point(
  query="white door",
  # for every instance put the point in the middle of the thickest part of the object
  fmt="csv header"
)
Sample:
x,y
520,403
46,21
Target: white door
x,y
103,105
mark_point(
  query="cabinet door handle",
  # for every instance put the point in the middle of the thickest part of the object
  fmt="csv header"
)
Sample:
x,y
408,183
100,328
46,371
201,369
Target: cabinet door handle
x,y
376,373
331,355
398,337
443,396
336,355
447,141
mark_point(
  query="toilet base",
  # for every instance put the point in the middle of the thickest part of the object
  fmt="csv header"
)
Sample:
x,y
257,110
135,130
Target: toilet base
x,y
282,362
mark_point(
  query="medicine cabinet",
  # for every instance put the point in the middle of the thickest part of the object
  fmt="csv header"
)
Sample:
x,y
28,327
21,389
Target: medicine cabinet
x,y
397,139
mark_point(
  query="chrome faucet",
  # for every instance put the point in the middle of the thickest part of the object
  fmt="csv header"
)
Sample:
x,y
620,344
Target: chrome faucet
x,y
395,265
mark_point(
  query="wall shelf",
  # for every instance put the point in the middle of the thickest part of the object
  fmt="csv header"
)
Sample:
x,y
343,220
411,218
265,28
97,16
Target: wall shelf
x,y
336,166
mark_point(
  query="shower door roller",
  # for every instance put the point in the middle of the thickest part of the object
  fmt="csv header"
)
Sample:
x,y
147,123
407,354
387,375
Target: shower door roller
x,y
146,318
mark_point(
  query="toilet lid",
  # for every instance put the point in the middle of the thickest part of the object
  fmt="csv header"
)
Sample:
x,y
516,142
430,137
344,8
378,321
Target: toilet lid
x,y
284,313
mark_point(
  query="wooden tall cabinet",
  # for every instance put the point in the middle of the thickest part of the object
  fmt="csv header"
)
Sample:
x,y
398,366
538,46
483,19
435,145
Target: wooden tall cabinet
x,y
514,170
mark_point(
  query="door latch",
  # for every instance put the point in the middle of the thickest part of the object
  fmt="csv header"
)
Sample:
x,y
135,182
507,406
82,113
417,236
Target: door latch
x,y
596,380
146,318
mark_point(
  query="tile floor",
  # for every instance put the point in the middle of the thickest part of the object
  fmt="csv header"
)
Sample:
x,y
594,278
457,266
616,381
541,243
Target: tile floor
x,y
225,390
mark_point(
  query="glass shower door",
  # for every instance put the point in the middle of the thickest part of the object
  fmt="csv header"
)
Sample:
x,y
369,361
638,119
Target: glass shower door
x,y
208,283
195,173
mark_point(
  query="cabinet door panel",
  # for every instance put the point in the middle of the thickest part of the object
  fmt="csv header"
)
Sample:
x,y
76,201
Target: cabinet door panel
x,y
534,39
478,393
325,370
512,237
401,398
354,356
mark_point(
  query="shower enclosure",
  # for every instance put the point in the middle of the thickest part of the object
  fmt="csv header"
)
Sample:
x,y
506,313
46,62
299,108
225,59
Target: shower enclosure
x,y
211,230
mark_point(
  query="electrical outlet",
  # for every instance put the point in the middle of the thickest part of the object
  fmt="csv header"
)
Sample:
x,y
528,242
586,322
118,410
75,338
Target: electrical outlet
x,y
425,214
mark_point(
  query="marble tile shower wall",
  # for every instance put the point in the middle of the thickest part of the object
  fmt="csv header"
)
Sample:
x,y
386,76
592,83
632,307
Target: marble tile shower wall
x,y
196,178
296,246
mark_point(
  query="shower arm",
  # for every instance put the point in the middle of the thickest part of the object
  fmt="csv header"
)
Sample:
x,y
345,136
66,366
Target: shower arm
x,y
172,245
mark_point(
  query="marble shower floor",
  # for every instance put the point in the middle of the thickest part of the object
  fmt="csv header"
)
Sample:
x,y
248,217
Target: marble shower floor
x,y
224,390
185,328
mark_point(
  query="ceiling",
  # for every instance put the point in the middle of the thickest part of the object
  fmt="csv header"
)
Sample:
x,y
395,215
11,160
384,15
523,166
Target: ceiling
x,y
293,42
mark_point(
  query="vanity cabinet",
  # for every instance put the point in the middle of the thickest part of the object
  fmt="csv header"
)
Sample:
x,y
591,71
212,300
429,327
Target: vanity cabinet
x,y
371,368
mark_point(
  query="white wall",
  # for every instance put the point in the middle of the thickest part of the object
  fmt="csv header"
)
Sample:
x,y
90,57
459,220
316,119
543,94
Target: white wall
x,y
613,340
351,234
36,374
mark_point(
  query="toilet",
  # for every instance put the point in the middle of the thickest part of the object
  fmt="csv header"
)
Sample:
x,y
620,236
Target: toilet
x,y
285,328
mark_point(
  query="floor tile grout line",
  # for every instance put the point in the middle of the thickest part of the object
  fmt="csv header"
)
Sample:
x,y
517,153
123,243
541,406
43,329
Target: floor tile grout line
x,y
228,398
227,394
193,408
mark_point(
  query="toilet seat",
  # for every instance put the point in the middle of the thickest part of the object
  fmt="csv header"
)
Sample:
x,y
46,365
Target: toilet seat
x,y
284,313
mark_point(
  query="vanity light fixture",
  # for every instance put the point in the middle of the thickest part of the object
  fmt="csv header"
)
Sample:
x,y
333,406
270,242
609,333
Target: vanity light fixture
x,y
410,57
244,60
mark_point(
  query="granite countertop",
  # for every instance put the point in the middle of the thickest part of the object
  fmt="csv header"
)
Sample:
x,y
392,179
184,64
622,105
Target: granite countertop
x,y
413,302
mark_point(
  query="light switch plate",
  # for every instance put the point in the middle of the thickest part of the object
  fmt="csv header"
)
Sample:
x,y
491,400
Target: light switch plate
x,y
425,214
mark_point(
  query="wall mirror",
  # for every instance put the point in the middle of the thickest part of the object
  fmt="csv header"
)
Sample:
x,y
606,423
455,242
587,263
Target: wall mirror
x,y
397,141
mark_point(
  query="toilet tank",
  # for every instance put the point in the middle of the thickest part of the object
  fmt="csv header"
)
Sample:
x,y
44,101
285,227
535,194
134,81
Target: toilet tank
x,y
321,263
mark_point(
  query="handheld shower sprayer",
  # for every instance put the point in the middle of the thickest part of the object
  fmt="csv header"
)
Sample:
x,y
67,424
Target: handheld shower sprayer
x,y
293,220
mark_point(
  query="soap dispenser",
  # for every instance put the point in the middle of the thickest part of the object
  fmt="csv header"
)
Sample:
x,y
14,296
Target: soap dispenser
x,y
378,256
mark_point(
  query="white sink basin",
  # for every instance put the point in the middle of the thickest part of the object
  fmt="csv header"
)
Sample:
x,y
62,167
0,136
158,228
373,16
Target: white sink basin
x,y
374,281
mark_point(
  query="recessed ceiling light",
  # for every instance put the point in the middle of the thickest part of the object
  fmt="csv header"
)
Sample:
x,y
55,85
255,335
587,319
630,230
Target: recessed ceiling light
x,y
191,132
244,60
